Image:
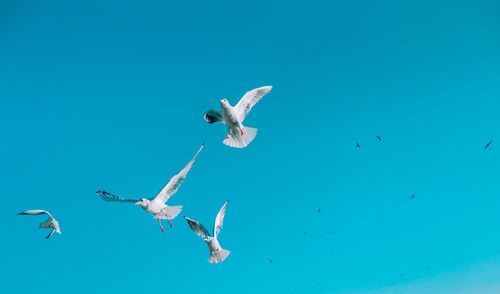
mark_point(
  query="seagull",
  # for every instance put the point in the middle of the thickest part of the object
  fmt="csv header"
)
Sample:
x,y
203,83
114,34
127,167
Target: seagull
x,y
487,145
50,223
217,254
238,135
378,137
357,145
156,205
412,196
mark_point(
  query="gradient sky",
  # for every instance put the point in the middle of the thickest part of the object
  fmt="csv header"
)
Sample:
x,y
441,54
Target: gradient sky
x,y
110,95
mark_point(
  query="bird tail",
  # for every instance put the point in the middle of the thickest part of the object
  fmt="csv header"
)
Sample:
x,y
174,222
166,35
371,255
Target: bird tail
x,y
238,141
170,211
219,256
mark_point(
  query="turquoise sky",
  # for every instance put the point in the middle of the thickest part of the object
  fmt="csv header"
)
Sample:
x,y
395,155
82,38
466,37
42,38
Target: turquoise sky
x,y
110,95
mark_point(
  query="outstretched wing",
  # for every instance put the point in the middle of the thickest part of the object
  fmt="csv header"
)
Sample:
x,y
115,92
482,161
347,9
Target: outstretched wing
x,y
198,228
175,182
219,220
213,116
36,212
249,100
112,198
51,233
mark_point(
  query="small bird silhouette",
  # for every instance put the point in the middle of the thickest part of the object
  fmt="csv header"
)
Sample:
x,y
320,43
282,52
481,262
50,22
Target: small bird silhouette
x,y
270,260
379,138
319,209
357,145
412,196
488,145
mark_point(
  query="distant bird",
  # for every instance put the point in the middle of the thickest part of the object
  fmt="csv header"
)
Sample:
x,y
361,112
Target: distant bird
x,y
379,138
50,223
270,260
217,254
319,209
238,135
357,145
156,205
412,196
488,145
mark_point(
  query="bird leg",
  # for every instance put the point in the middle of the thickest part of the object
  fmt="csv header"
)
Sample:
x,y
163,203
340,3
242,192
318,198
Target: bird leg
x,y
159,221
168,220
241,130
228,135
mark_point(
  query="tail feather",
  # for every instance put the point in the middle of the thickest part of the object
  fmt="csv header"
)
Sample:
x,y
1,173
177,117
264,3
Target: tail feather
x,y
220,256
238,141
170,211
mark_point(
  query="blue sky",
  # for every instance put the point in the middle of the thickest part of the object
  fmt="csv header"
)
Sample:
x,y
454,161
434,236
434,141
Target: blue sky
x,y
110,95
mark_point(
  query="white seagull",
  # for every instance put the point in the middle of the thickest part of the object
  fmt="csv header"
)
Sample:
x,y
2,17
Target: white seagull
x,y
50,223
238,135
156,205
217,254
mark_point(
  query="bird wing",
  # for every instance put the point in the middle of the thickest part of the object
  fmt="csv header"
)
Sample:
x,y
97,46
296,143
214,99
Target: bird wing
x,y
175,182
36,212
249,100
50,234
112,198
198,228
219,220
213,116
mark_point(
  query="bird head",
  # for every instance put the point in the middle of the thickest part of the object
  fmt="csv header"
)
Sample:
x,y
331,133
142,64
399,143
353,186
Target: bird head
x,y
143,202
223,102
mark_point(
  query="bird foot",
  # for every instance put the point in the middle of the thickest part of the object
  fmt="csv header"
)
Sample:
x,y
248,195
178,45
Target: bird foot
x,y
228,135
241,132
162,230
169,221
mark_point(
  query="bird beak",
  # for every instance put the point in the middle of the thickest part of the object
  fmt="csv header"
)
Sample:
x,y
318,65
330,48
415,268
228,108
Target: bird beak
x,y
137,203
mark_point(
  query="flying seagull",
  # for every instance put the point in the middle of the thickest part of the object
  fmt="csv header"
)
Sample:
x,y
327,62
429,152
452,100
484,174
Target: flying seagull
x,y
50,223
412,196
217,254
156,205
378,137
238,135
487,145
357,145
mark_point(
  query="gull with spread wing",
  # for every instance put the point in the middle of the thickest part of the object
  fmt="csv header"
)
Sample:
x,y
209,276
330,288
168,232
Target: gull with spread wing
x,y
238,135
156,205
217,254
50,223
